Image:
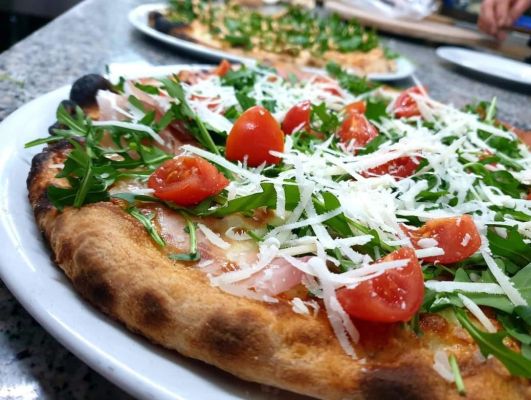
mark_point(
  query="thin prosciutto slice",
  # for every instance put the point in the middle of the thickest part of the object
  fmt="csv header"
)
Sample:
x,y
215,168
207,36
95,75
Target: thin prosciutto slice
x,y
276,278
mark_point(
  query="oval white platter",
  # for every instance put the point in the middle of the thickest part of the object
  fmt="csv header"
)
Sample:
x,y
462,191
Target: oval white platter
x,y
144,370
486,63
139,19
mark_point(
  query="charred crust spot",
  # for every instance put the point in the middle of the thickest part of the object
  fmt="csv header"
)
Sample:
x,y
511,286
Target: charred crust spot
x,y
162,24
69,106
94,287
43,204
152,310
39,160
404,382
235,336
84,90
64,252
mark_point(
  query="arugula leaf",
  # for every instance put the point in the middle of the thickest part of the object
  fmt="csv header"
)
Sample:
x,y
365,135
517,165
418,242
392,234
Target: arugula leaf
x,y
266,198
513,247
323,120
376,109
193,254
492,343
522,282
245,101
459,384
515,327
239,79
503,180
183,111
339,223
150,89
147,222
524,312
239,41
354,84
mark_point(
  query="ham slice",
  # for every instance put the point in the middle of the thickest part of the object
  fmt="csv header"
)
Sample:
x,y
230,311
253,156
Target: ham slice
x,y
278,277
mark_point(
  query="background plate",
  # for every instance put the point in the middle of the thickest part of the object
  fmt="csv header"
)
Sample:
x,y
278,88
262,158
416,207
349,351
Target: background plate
x,y
139,18
144,370
486,63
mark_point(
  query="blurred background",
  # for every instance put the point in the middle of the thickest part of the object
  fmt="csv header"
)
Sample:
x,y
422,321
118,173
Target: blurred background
x,y
18,18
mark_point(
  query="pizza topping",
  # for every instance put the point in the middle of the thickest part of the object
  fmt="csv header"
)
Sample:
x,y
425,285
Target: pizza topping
x,y
187,180
450,234
253,137
442,366
395,295
356,131
405,105
356,106
330,211
297,118
213,237
293,32
476,311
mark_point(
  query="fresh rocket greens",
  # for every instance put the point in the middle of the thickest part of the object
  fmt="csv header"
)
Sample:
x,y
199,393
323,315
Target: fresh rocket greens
x,y
132,154
459,384
292,32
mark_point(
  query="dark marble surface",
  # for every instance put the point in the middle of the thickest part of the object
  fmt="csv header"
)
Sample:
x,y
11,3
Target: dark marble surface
x,y
32,364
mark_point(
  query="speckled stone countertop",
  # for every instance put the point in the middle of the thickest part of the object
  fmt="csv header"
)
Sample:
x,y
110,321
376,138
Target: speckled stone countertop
x,y
32,364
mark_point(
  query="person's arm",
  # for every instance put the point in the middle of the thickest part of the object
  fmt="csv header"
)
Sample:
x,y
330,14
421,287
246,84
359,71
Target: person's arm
x,y
497,14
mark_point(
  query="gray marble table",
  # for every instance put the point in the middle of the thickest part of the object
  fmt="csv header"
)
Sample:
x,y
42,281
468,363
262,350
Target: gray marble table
x,y
32,364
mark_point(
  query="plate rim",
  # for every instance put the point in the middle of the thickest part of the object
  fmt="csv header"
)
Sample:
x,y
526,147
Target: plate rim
x,y
441,52
139,13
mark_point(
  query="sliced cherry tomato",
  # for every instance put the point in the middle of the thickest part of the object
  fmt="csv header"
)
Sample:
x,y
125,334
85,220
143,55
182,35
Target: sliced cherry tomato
x,y
187,180
254,134
405,106
457,236
223,67
399,168
356,128
359,106
297,118
529,196
394,296
331,87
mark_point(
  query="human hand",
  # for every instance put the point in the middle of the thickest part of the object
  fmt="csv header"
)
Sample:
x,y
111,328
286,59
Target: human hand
x,y
498,14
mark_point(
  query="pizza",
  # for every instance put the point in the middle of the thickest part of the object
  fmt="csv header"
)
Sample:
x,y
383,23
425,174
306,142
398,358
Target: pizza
x,y
294,35
318,233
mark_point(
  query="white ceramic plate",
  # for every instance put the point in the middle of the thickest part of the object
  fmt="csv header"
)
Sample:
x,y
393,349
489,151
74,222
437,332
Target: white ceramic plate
x,y
144,370
486,63
139,18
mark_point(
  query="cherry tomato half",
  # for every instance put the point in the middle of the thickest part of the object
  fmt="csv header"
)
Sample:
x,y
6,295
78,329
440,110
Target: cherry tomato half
x,y
223,67
254,134
187,180
457,236
359,106
405,105
357,129
401,167
394,296
297,118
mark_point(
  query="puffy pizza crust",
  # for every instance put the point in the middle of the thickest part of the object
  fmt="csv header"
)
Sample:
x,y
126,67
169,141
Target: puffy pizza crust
x,y
113,264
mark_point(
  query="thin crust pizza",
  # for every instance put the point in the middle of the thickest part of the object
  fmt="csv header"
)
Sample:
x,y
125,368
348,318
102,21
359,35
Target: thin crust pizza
x,y
320,234
294,36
